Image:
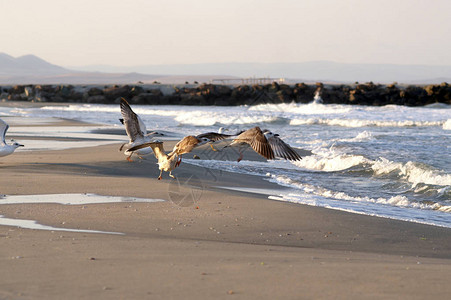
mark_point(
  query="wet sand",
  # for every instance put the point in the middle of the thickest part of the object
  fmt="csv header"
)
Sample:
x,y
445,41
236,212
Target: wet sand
x,y
203,242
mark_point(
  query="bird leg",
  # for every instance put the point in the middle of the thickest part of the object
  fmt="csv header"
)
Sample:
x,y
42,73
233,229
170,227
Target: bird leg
x,y
170,174
241,154
241,157
213,148
179,160
159,177
129,158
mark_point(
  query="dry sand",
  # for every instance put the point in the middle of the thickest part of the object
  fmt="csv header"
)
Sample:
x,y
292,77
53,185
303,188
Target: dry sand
x,y
216,244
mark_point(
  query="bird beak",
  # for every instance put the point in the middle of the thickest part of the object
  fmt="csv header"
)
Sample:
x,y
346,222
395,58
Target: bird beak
x,y
20,145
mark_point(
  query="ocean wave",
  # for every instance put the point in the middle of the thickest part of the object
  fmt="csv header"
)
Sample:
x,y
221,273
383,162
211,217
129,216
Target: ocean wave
x,y
398,200
412,172
363,123
303,109
330,160
200,118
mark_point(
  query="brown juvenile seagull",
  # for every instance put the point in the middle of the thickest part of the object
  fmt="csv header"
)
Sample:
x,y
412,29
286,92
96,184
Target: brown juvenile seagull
x,y
265,143
187,144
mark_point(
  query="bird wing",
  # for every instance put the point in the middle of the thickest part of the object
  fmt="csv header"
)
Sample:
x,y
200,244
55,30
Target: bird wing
x,y
214,136
3,128
131,121
185,145
157,148
257,140
282,149
142,126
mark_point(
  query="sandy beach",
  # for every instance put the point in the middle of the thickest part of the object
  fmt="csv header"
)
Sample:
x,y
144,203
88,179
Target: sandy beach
x,y
203,242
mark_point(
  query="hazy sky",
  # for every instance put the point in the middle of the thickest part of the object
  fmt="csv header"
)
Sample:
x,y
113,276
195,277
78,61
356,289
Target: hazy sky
x,y
138,32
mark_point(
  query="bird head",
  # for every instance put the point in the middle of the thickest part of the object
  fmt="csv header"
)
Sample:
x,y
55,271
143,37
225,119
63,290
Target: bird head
x,y
156,133
204,140
268,134
17,145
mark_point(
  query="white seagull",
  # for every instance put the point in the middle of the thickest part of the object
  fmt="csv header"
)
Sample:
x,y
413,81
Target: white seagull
x,y
6,149
136,131
166,162
265,143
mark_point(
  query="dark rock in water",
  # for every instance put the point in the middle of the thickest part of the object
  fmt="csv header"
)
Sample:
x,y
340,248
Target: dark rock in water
x,y
117,91
97,99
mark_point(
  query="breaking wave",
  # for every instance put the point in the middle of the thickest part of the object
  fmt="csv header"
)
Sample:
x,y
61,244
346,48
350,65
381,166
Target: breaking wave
x,y
399,200
363,123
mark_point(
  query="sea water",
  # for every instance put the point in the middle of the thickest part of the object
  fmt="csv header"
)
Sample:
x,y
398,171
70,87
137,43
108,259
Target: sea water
x,y
390,161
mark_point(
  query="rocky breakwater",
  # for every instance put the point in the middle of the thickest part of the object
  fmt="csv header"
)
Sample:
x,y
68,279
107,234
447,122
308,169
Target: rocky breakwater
x,y
221,95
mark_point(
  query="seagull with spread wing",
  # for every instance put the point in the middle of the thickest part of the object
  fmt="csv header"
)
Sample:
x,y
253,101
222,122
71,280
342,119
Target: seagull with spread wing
x,y
136,131
265,143
168,162
6,149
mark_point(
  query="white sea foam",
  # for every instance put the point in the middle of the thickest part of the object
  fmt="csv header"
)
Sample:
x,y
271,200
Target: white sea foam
x,y
201,118
363,122
303,109
447,125
331,164
362,136
82,108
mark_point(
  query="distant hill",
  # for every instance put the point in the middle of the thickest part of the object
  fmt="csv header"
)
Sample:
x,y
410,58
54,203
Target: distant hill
x,y
30,69
27,65
325,71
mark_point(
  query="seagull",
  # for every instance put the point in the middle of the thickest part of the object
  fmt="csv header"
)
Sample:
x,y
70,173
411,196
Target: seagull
x,y
187,144
265,143
6,149
166,162
136,131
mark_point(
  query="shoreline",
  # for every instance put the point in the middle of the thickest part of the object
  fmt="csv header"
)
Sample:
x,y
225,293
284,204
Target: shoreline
x,y
219,244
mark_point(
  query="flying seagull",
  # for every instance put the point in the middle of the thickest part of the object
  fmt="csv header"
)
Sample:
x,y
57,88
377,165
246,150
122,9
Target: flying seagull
x,y
265,143
6,149
166,162
136,131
